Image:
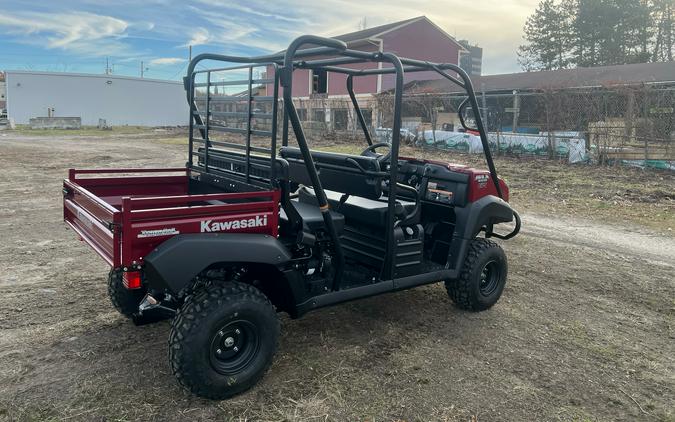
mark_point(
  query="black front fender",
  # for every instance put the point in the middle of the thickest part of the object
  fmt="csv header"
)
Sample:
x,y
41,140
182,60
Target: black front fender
x,y
486,211
469,221
176,262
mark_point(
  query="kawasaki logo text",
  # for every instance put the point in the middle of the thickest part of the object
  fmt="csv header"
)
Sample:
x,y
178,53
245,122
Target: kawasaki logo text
x,y
209,226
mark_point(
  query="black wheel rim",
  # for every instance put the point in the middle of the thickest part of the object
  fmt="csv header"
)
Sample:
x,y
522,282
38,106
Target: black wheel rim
x,y
233,346
489,278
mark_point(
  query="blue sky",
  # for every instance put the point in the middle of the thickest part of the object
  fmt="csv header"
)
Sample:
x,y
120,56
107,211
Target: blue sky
x,y
78,35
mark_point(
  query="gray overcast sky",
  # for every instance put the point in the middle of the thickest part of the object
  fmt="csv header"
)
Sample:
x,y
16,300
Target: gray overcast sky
x,y
78,35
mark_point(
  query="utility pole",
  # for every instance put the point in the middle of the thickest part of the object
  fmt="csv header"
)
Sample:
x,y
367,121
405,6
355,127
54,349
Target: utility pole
x,y
190,54
143,69
107,66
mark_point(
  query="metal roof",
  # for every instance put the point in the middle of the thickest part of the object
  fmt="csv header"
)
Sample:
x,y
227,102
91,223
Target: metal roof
x,y
375,31
89,75
581,77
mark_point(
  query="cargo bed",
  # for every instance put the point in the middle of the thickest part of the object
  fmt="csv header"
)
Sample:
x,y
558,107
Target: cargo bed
x,y
125,213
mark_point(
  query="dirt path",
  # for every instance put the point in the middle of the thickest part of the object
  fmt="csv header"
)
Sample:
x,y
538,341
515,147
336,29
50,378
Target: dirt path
x,y
633,241
584,331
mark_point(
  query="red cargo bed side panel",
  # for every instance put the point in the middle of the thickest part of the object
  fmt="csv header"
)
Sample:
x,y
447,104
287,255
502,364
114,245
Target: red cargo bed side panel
x,y
91,219
147,222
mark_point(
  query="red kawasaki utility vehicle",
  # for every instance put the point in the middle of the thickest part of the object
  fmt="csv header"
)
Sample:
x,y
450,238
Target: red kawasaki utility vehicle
x,y
246,230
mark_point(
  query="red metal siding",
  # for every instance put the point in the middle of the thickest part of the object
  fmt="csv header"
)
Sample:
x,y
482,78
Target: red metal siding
x,y
419,40
422,41
300,83
337,83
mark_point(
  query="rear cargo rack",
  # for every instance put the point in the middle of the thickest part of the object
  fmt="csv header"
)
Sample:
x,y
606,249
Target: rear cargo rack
x,y
214,112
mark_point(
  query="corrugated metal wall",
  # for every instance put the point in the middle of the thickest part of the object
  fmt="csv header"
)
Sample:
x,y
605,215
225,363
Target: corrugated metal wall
x,y
117,99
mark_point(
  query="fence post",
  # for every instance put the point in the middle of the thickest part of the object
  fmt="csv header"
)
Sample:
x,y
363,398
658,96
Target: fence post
x,y
646,119
516,106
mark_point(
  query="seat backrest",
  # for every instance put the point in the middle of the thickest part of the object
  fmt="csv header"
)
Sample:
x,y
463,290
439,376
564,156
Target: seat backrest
x,y
351,174
235,163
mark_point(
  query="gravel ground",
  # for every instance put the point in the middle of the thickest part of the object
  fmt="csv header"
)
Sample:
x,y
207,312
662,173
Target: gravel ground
x,y
584,330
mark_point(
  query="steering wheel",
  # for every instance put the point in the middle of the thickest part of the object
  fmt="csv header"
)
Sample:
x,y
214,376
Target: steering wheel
x,y
370,152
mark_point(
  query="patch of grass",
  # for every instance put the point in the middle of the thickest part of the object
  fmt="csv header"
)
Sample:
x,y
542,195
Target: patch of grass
x,y
84,131
176,140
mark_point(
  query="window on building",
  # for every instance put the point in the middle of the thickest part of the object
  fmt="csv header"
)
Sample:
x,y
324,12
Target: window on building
x,y
367,116
340,119
319,115
302,114
319,82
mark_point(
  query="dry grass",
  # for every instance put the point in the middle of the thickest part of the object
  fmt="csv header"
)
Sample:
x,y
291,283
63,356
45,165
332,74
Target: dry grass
x,y
94,131
583,331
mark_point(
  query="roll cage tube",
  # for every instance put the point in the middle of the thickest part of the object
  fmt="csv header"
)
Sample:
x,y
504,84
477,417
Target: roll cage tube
x,y
327,47
419,66
291,113
468,86
388,268
357,109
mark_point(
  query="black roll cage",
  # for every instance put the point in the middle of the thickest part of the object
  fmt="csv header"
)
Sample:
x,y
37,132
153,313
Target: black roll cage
x,y
339,55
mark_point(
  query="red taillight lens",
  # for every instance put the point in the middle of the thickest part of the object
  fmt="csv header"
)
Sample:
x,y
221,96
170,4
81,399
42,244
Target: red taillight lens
x,y
132,280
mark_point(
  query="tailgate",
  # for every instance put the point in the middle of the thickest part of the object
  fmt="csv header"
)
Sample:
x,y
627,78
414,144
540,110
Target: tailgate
x,y
95,221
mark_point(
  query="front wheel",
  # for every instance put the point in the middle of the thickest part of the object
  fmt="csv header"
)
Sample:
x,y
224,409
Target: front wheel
x,y
482,279
223,340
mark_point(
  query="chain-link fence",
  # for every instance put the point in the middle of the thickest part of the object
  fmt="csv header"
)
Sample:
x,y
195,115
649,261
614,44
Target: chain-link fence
x,y
628,124
634,125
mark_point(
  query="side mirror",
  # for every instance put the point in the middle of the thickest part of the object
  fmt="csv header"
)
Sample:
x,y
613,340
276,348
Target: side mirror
x,y
466,115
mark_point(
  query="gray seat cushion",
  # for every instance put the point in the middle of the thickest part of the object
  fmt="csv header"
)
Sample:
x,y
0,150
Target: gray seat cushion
x,y
363,210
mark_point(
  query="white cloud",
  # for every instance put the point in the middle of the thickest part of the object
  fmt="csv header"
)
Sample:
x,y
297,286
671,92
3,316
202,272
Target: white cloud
x,y
122,28
199,36
166,61
80,32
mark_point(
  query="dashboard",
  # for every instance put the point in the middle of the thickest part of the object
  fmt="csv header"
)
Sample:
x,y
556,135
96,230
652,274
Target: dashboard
x,y
436,183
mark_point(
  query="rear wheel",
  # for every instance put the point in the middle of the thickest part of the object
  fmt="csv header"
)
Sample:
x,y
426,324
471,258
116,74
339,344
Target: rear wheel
x,y
125,300
223,340
482,279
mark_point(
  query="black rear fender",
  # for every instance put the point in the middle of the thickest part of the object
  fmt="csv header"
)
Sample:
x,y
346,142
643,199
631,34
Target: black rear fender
x,y
174,264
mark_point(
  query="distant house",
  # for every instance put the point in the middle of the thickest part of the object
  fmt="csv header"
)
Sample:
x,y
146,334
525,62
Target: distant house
x,y
416,38
321,97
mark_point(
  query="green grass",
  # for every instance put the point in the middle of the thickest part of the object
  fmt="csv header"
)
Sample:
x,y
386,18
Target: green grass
x,y
84,131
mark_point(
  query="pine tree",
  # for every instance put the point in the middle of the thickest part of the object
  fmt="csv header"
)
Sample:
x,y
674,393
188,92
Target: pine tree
x,y
547,36
663,15
598,32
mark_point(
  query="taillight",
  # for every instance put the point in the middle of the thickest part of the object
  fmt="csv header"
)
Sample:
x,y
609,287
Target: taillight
x,y
132,279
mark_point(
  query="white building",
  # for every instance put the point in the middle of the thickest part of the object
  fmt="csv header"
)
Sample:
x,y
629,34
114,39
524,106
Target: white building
x,y
120,100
